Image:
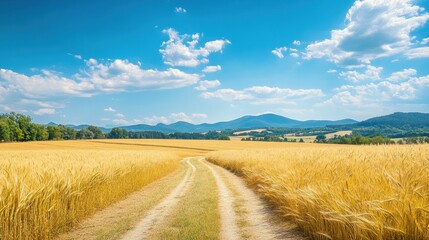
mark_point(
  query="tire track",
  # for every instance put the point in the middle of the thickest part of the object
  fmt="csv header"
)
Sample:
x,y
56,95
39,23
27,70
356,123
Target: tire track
x,y
229,229
261,222
159,213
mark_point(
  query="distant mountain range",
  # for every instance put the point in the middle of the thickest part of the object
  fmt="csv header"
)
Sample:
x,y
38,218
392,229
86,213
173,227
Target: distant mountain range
x,y
395,120
246,122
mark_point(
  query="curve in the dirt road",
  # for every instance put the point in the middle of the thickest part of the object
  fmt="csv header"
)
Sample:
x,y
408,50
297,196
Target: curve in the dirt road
x,y
160,212
229,228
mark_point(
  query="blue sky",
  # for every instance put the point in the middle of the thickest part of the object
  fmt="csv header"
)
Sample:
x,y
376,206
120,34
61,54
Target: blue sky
x,y
128,62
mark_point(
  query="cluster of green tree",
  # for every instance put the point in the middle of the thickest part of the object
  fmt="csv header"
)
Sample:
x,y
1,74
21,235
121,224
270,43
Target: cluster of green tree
x,y
271,138
355,140
19,128
392,132
119,133
414,140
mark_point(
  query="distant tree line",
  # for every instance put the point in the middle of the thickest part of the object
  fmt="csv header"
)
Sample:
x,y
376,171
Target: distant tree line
x,y
119,133
413,140
355,140
271,138
20,128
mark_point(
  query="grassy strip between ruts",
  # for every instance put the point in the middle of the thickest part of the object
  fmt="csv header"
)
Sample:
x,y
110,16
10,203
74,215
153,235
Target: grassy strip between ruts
x,y
196,216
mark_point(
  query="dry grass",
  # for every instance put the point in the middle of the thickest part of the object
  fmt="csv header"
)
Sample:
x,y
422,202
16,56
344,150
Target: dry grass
x,y
46,192
342,192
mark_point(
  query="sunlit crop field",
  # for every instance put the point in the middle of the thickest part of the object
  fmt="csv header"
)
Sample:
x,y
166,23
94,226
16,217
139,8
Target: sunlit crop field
x,y
342,192
45,192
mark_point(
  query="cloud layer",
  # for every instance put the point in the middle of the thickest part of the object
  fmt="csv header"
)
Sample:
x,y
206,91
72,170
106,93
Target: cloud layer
x,y
374,29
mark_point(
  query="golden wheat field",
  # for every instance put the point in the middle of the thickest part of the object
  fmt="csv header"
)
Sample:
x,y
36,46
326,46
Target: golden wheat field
x,y
45,192
342,192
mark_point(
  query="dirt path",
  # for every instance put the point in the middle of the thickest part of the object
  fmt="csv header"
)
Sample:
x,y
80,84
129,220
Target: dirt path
x,y
158,214
161,210
257,220
229,228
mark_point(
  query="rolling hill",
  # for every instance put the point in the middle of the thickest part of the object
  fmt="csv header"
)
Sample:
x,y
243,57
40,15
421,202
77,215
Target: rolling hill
x,y
246,122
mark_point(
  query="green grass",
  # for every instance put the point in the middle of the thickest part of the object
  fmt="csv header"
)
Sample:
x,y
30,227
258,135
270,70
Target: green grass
x,y
197,215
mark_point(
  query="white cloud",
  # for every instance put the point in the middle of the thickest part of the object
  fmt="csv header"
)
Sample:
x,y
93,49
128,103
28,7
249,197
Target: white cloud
x,y
331,71
174,117
180,10
75,56
121,75
210,69
155,119
48,83
402,75
420,81
181,116
206,84
374,29
295,55
422,52
45,111
384,91
120,115
41,104
120,122
424,41
293,49
371,73
264,94
279,52
296,42
110,109
112,76
177,51
227,94
199,115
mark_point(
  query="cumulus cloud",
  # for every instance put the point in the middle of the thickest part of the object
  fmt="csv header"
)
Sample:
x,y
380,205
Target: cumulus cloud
x,y
42,104
181,116
402,75
121,75
174,117
374,29
75,56
401,85
180,10
371,73
296,42
115,76
109,109
206,84
424,41
199,115
45,111
48,83
294,54
331,71
421,52
279,52
178,51
210,69
120,115
264,94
